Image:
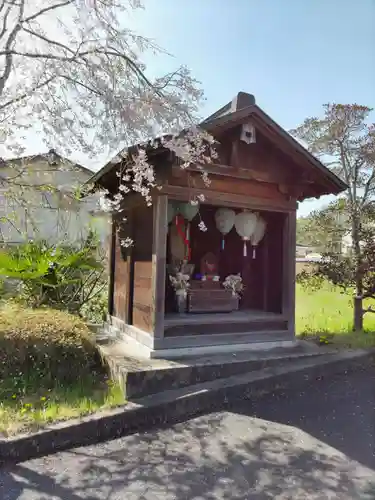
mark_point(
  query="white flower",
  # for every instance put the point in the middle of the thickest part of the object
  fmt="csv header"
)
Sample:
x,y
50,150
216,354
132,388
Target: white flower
x,y
202,226
233,282
206,179
180,281
126,242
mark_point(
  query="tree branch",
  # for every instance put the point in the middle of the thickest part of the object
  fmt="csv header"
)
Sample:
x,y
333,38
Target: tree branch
x,y
8,45
51,42
5,20
345,166
366,191
73,80
27,94
368,310
113,51
34,55
47,9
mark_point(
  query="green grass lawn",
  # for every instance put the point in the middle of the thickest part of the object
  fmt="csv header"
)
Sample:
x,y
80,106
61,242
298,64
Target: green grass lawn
x,y
328,311
27,407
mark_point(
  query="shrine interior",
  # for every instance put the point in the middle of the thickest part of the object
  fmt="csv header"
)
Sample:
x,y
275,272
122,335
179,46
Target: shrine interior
x,y
261,268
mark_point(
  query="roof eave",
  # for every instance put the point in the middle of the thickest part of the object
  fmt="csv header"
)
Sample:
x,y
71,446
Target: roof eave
x,y
225,121
215,124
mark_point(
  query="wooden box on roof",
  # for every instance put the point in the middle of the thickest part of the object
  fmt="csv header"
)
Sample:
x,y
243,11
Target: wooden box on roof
x,y
260,169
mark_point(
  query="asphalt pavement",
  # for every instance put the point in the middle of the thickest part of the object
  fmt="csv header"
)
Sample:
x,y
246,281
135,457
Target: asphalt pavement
x,y
318,444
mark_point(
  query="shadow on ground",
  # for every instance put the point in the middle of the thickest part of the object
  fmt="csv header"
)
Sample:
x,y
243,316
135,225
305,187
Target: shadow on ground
x,y
339,411
318,444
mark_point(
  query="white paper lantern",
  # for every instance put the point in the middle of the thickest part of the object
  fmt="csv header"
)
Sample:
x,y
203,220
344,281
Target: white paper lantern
x,y
258,234
224,218
188,211
245,223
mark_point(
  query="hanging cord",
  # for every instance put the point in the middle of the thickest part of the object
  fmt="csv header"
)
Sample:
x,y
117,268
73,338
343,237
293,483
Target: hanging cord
x,y
180,225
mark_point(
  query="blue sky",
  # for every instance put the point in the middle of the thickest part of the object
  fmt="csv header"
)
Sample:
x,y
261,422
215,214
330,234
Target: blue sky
x,y
292,55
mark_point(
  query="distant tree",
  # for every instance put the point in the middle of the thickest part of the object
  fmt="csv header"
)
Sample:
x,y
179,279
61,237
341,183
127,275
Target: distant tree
x,y
344,140
324,229
341,270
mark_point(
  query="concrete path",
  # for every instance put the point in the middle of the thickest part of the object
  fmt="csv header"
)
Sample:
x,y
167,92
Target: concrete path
x,y
319,444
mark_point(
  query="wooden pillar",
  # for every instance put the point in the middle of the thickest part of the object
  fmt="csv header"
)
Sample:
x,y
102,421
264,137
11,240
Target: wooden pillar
x,y
159,259
130,262
289,270
265,269
112,261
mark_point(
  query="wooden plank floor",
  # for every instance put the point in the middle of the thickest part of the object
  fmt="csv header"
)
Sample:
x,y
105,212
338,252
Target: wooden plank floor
x,y
175,319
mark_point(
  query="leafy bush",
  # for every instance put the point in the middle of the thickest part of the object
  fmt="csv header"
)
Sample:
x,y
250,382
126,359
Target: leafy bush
x,y
95,309
62,277
44,344
310,281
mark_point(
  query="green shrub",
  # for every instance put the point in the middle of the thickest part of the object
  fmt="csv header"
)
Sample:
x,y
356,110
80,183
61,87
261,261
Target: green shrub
x,y
44,344
310,281
62,277
95,309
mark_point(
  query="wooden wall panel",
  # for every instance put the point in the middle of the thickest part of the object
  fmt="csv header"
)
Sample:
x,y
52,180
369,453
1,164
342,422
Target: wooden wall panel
x,y
274,293
259,170
269,191
264,161
143,309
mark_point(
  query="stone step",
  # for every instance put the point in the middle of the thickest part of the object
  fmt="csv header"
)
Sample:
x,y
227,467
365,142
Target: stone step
x,y
144,377
295,373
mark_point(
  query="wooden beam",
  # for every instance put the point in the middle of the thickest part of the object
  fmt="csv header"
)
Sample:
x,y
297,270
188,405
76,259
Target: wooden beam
x,y
159,260
229,199
243,171
221,170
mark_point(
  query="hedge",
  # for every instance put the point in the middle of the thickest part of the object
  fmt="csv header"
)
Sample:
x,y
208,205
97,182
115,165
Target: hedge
x,y
44,344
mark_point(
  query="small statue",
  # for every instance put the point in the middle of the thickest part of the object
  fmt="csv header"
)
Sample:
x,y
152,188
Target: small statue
x,y
209,267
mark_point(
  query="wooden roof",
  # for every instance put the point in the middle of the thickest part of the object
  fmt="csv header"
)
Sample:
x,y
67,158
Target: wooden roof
x,y
241,110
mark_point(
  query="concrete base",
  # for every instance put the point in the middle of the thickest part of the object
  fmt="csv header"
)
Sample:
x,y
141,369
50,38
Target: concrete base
x,y
140,350
183,352
141,377
143,345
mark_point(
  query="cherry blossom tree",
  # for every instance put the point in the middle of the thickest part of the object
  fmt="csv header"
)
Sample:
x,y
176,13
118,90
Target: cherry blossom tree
x,y
73,71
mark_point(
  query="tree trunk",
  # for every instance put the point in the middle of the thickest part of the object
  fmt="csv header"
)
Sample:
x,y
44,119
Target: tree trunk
x,y
358,314
358,299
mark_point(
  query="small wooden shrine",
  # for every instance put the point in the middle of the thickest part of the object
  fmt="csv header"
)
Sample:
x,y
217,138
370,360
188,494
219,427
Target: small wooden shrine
x,y
221,274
